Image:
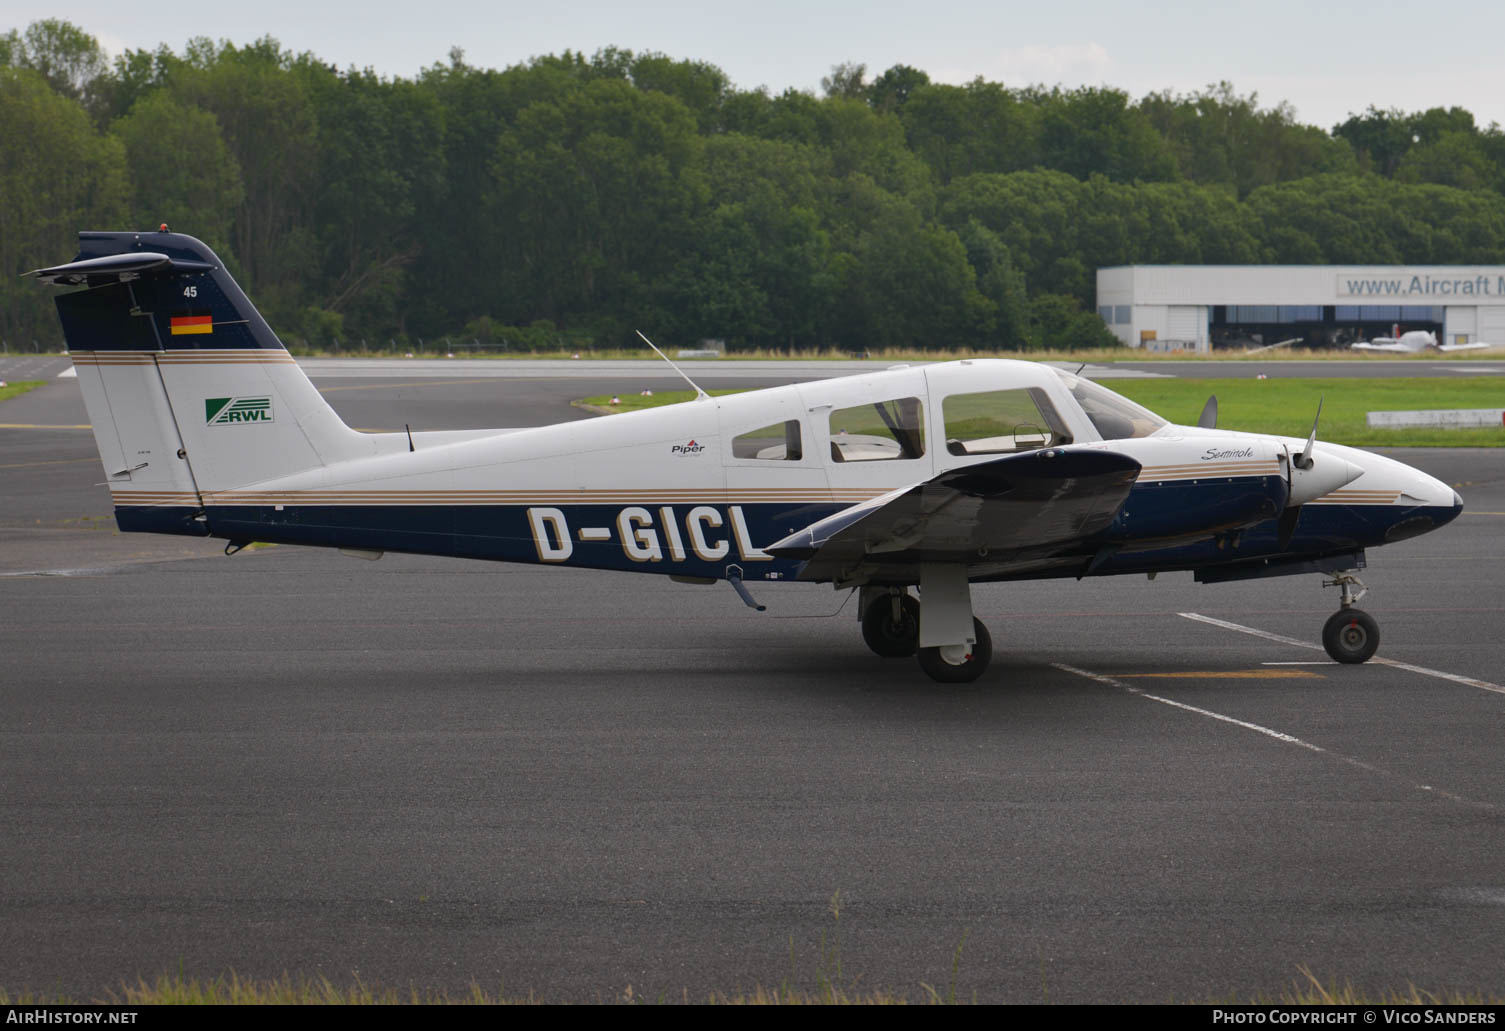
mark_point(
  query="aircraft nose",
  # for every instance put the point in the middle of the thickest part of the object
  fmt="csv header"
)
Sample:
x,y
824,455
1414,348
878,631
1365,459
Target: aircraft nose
x,y
1438,505
1456,512
1447,506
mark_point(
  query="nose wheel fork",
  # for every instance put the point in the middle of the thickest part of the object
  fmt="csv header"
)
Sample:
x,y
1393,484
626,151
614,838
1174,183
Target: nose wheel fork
x,y
1352,587
1350,634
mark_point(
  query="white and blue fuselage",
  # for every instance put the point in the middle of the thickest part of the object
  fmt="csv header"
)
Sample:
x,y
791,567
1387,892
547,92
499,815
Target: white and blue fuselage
x,y
936,475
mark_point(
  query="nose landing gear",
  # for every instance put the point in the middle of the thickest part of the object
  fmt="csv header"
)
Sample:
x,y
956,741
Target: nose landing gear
x,y
1350,635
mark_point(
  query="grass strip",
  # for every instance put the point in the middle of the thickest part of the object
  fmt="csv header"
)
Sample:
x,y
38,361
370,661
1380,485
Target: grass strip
x,y
232,990
19,387
1287,406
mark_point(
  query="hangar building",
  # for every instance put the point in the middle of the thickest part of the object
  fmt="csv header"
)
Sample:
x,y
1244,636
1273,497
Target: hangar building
x,y
1199,307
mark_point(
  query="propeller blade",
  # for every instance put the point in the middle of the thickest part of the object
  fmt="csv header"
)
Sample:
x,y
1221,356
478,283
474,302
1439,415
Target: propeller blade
x,y
1208,420
1304,460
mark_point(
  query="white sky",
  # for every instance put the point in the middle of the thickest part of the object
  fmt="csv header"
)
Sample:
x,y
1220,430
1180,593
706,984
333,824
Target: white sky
x,y
1327,58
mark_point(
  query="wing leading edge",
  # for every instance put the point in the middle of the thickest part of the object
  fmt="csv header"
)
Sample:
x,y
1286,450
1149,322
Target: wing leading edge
x,y
1048,499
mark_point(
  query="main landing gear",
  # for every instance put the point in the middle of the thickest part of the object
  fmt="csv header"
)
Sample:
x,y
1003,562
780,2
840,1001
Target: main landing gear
x,y
952,645
891,624
1350,635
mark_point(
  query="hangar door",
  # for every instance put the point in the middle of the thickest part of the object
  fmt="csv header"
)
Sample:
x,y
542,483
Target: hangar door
x,y
1183,323
1492,325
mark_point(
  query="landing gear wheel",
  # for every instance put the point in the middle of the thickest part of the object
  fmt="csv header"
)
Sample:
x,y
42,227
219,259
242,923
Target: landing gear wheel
x,y
886,636
939,669
1351,635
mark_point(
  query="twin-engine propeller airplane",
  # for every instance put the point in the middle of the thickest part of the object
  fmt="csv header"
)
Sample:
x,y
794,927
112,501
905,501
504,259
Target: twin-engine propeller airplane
x,y
936,477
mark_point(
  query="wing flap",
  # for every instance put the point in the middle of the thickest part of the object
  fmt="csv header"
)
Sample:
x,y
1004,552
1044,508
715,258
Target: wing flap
x,y
1040,499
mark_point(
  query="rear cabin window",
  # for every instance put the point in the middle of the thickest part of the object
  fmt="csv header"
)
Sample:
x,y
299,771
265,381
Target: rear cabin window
x,y
779,442
1000,422
885,431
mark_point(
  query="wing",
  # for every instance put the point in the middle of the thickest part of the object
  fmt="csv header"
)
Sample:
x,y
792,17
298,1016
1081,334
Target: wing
x,y
1040,503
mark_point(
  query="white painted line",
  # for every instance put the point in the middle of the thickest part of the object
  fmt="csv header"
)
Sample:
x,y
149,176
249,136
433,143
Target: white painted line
x,y
1277,735
1284,738
1249,630
71,372
1482,685
1328,662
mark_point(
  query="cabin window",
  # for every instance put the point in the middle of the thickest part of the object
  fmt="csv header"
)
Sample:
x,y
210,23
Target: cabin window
x,y
779,442
1002,422
884,431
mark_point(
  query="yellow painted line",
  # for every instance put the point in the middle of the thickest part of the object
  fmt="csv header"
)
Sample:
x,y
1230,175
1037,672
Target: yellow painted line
x,y
41,426
1231,674
1467,512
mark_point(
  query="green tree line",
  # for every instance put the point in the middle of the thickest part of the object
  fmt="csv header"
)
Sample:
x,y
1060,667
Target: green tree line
x,y
572,199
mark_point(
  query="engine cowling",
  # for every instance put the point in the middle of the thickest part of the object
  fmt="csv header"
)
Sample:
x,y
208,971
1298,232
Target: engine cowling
x,y
1320,475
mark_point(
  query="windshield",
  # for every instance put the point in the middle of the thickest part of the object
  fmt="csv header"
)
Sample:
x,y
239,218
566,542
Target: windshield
x,y
1115,417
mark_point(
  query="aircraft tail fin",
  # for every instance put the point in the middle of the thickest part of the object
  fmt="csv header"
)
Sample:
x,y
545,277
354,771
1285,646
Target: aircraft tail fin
x,y
188,389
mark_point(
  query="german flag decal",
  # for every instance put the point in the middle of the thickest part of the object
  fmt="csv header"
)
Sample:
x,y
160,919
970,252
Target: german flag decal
x,y
186,324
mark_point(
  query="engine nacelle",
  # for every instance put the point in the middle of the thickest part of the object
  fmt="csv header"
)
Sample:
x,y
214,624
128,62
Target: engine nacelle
x,y
1323,473
1196,487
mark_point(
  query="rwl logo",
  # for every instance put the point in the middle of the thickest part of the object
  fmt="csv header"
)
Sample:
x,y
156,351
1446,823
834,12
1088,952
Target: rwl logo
x,y
223,411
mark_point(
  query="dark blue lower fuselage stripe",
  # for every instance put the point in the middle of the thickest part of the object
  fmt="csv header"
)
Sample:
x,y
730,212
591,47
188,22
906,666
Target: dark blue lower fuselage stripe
x,y
670,539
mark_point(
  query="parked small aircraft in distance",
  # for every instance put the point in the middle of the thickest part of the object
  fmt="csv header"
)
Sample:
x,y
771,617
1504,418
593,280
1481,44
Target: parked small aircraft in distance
x,y
936,477
1413,342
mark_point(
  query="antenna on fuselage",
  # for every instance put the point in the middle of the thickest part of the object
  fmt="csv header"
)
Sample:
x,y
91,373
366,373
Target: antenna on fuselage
x,y
700,395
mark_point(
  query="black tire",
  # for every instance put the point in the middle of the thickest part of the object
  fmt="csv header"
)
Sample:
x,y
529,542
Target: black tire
x,y
886,638
947,673
1351,636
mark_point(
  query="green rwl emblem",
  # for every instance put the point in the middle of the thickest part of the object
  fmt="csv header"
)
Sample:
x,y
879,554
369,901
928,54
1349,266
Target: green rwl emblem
x,y
224,411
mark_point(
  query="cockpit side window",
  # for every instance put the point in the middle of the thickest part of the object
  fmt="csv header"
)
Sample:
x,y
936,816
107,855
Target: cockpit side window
x,y
1002,422
1114,416
883,431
